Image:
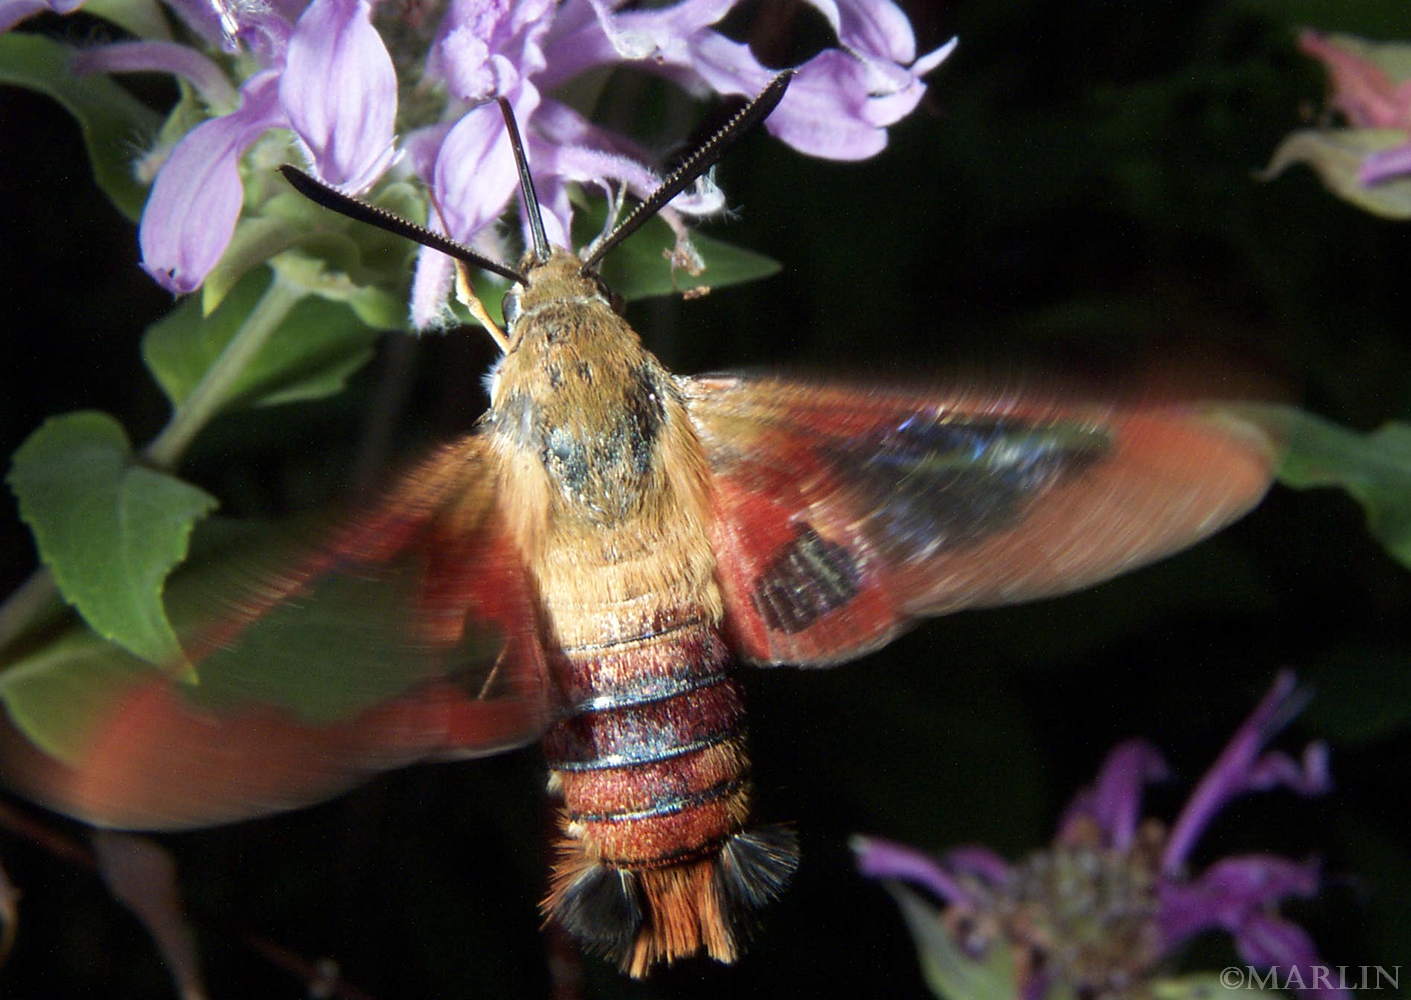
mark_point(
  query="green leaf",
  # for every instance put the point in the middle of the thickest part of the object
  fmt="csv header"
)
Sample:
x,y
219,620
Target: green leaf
x,y
952,974
143,18
640,268
110,530
115,125
346,642
1374,468
56,695
328,255
1336,156
380,309
374,305
311,355
255,241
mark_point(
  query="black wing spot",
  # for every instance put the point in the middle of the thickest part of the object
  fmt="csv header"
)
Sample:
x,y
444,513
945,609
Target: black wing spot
x,y
810,577
945,485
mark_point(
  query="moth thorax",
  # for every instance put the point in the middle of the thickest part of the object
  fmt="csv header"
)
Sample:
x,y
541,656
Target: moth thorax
x,y
595,424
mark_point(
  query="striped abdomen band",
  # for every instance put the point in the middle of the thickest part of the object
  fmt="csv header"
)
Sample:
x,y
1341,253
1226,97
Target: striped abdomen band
x,y
652,764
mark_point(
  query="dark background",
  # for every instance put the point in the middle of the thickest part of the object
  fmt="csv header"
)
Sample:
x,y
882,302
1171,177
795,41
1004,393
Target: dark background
x,y
1078,191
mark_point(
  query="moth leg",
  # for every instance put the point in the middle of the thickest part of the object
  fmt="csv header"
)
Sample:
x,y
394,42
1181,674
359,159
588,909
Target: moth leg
x,y
465,295
494,674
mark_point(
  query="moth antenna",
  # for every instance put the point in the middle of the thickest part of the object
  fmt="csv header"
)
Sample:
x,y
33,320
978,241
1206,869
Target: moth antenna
x,y
334,200
526,185
705,157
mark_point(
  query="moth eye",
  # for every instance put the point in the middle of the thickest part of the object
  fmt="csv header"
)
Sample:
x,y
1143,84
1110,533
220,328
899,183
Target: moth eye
x,y
509,306
615,302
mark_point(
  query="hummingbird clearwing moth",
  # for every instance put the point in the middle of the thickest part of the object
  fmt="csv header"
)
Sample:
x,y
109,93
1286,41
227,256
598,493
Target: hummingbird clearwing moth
x,y
590,566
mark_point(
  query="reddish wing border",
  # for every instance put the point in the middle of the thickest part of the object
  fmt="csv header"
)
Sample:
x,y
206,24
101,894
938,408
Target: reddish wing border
x,y
154,756
788,456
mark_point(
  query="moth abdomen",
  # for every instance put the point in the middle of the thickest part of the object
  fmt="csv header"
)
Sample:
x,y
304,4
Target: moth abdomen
x,y
655,863
652,759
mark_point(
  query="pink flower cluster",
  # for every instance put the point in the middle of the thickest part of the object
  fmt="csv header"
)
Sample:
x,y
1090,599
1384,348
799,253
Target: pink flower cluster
x,y
323,70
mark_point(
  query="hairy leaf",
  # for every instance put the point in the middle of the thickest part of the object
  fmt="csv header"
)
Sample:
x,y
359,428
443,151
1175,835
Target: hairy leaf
x,y
109,529
311,355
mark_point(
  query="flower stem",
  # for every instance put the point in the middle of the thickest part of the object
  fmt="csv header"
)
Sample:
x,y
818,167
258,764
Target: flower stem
x,y
206,399
33,600
38,595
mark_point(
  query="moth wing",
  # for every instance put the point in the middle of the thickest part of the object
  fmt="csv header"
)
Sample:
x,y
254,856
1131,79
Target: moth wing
x,y
404,633
842,514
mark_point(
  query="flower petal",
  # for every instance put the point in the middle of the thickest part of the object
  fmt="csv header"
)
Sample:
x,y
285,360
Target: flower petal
x,y
1114,801
12,12
979,863
661,35
484,49
1362,90
554,206
878,858
1272,943
162,57
475,176
583,165
1229,893
1385,165
267,33
878,33
1240,769
421,147
207,19
473,73
824,112
1308,776
934,58
195,202
874,27
839,103
431,283
339,90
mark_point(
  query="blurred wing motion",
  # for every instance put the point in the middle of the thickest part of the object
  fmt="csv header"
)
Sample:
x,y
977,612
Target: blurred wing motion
x,y
411,633
841,514
407,633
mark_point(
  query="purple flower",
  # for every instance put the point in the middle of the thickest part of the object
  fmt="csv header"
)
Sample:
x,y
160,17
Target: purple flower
x,y
339,91
195,202
1368,97
181,61
522,52
12,12
322,70
330,79
1112,897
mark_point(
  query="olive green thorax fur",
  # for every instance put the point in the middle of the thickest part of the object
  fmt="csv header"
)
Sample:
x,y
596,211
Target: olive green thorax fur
x,y
577,390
